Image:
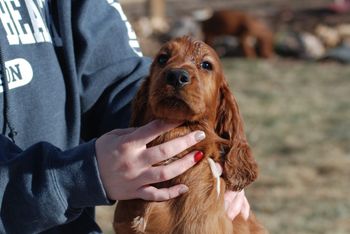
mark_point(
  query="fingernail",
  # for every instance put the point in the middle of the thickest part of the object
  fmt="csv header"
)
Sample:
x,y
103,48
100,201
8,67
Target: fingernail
x,y
200,135
183,190
198,156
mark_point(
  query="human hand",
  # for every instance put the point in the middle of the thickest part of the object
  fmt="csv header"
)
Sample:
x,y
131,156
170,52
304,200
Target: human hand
x,y
125,164
235,202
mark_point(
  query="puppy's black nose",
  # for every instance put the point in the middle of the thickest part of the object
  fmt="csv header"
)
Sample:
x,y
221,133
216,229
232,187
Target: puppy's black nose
x,y
178,78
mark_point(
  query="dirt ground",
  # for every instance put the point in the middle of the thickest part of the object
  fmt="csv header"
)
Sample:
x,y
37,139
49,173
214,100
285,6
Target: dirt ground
x,y
297,120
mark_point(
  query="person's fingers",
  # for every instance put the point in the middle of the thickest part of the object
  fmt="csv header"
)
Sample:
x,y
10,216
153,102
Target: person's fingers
x,y
171,148
145,134
245,209
154,194
235,207
233,203
121,132
167,172
229,196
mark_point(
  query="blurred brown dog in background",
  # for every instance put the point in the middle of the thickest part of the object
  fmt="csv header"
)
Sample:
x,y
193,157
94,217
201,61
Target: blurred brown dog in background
x,y
249,31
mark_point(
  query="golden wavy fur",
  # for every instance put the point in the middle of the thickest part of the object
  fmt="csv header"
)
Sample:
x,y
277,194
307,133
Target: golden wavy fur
x,y
186,83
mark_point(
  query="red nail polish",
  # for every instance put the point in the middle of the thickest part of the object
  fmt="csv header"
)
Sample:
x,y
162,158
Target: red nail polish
x,y
198,156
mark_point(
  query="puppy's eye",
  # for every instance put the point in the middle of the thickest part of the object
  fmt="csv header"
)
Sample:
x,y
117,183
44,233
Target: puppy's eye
x,y
163,59
207,65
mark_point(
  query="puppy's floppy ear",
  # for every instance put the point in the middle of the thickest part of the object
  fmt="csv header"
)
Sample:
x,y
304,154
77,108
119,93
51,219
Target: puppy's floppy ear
x,y
139,105
240,168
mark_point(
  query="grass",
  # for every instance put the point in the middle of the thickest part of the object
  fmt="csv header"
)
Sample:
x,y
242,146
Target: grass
x,y
297,120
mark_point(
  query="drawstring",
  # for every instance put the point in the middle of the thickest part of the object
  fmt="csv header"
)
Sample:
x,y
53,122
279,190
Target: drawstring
x,y
5,85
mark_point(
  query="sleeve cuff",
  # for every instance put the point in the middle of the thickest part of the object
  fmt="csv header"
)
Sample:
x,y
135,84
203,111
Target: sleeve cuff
x,y
77,178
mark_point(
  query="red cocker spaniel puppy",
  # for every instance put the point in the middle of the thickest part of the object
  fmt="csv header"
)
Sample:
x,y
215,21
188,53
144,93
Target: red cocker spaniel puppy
x,y
187,84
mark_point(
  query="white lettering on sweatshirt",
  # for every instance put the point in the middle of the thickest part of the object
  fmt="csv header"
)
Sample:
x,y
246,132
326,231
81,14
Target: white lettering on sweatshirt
x,y
19,72
37,30
133,42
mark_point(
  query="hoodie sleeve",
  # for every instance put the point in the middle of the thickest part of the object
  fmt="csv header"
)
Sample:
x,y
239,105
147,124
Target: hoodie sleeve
x,y
50,186
109,65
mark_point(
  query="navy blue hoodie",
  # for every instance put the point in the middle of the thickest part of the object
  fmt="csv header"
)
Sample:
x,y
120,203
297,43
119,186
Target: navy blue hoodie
x,y
69,70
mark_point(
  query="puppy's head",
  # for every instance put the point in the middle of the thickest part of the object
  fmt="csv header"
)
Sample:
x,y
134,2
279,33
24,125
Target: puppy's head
x,y
184,81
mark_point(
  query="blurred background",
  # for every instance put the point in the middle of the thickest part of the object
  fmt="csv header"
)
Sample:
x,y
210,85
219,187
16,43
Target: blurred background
x,y
287,63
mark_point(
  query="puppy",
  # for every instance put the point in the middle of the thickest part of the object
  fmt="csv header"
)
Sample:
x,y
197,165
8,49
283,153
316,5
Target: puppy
x,y
187,84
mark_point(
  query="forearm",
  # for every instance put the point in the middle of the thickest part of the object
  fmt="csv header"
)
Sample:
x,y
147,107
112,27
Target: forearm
x,y
43,186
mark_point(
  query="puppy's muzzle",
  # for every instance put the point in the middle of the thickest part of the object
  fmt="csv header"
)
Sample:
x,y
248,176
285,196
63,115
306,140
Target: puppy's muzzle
x,y
178,78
